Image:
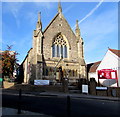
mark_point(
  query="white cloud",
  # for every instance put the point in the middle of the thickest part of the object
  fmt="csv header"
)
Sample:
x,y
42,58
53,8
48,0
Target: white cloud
x,y
101,24
99,32
7,34
25,40
67,9
23,46
31,16
14,8
57,0
92,44
91,12
47,5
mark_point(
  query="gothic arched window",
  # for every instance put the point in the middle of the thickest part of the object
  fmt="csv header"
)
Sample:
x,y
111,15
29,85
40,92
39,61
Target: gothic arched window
x,y
59,47
53,51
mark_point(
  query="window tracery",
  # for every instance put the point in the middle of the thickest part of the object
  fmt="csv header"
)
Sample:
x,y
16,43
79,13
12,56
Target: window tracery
x,y
59,47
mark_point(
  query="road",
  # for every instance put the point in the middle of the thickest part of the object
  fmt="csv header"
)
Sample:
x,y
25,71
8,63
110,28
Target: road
x,y
58,106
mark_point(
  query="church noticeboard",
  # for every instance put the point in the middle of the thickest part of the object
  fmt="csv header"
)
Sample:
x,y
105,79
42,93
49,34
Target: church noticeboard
x,y
107,74
84,88
41,82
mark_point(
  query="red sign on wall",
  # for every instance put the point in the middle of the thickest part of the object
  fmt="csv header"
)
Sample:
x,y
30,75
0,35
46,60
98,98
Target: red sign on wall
x,y
107,74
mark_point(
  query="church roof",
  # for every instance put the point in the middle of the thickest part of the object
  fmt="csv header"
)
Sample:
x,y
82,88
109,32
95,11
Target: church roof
x,y
26,56
116,52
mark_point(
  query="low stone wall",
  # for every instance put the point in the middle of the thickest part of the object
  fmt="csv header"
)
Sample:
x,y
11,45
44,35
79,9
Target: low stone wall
x,y
110,91
101,93
27,87
113,91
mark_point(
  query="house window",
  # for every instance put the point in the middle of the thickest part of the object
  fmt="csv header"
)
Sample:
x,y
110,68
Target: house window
x,y
59,47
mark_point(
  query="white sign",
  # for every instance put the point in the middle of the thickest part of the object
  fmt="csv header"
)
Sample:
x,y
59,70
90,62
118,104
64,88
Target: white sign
x,y
41,82
84,88
101,88
113,75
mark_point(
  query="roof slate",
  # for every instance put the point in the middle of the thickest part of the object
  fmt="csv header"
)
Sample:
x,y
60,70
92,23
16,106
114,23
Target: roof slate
x,y
116,52
94,66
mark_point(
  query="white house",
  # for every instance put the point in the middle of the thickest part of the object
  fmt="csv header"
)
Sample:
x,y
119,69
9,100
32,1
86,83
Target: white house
x,y
110,61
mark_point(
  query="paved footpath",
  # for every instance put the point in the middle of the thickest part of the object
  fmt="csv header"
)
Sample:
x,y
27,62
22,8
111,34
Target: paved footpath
x,y
87,96
11,111
61,94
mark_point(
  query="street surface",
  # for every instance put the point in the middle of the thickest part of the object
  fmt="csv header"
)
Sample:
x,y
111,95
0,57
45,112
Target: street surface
x,y
59,106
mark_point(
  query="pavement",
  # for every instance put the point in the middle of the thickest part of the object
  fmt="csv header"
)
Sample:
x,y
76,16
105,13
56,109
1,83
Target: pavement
x,y
61,94
87,96
11,111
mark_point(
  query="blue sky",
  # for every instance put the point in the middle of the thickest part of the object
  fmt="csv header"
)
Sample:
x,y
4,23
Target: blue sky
x,y
98,24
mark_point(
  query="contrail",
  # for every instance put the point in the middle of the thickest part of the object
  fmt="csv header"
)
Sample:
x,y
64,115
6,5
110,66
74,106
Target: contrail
x,y
91,12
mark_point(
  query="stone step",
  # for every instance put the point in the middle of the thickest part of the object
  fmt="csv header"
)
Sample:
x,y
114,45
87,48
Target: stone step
x,y
74,91
72,88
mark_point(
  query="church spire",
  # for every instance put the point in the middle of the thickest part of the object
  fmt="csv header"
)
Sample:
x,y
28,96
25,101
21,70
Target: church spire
x,y
39,16
59,7
77,30
39,23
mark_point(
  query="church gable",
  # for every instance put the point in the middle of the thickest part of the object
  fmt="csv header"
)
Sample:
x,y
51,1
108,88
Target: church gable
x,y
59,25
